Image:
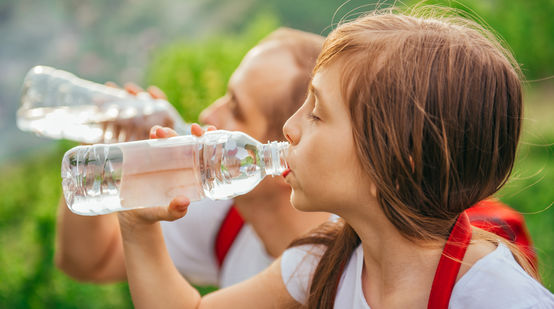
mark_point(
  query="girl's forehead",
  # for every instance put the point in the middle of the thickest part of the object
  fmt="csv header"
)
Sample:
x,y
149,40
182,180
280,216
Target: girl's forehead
x,y
327,81
326,88
325,74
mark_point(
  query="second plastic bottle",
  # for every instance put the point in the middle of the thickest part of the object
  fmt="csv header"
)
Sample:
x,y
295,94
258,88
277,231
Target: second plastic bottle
x,y
101,178
58,104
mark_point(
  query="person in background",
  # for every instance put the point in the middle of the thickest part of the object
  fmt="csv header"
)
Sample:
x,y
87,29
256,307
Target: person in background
x,y
388,140
220,242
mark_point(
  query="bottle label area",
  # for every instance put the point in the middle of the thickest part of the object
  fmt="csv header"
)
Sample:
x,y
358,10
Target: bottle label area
x,y
100,179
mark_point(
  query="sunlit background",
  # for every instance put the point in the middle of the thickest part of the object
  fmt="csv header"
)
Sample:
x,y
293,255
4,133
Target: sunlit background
x,y
189,49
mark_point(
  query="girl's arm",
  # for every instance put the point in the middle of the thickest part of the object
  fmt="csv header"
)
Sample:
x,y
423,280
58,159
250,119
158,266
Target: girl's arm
x,y
154,281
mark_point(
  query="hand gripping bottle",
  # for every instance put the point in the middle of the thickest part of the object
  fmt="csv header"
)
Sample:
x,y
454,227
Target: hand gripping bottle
x,y
102,178
58,104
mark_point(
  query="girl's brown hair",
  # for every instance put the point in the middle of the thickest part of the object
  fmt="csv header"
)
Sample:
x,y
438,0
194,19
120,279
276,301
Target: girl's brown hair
x,y
435,105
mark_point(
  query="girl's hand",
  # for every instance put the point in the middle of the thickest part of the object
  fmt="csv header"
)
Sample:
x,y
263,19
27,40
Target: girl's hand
x,y
131,219
165,132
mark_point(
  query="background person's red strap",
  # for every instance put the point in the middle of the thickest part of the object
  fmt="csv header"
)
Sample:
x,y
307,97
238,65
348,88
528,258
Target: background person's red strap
x,y
228,231
496,217
449,263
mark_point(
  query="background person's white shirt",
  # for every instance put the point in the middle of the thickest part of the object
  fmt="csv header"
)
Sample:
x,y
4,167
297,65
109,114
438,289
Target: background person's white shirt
x,y
495,281
191,240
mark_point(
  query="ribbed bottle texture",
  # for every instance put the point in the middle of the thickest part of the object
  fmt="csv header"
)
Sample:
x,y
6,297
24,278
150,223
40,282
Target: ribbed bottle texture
x,y
102,178
58,104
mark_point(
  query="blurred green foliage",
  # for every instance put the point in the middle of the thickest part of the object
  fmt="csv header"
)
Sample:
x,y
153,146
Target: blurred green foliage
x,y
30,190
193,74
526,26
529,189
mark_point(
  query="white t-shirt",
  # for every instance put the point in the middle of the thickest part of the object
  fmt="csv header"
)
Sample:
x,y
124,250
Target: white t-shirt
x,y
495,281
191,240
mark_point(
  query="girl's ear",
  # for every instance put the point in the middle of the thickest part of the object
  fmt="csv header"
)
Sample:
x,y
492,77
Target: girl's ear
x,y
373,189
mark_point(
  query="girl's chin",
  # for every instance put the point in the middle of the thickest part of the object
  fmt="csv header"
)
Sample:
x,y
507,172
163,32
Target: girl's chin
x,y
299,202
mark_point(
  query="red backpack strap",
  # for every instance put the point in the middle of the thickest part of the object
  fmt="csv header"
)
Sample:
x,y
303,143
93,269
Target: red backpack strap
x,y
228,231
449,263
493,216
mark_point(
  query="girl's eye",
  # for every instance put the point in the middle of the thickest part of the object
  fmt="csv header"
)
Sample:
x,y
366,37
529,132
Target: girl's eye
x,y
313,117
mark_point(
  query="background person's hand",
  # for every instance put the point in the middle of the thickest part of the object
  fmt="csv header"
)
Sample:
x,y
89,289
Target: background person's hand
x,y
137,123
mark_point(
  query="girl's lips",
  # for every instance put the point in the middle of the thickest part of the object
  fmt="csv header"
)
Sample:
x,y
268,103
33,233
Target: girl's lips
x,y
286,172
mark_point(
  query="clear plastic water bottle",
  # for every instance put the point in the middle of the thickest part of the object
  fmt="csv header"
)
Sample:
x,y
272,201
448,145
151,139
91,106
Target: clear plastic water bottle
x,y
58,104
104,178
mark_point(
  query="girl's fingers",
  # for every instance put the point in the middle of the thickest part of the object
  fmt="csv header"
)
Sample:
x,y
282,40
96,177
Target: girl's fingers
x,y
159,132
196,130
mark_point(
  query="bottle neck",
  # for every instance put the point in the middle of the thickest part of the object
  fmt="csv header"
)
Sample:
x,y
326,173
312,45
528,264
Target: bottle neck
x,y
274,155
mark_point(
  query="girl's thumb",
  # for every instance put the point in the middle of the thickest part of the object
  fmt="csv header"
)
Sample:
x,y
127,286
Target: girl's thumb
x,y
178,208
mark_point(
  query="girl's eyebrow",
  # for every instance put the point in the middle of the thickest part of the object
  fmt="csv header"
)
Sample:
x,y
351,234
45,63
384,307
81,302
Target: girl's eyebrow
x,y
317,95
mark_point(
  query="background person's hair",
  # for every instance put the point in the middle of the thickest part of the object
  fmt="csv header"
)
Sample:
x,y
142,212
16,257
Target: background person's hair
x,y
304,48
436,111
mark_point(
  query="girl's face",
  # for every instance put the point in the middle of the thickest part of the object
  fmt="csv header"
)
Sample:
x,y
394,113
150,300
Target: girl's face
x,y
325,172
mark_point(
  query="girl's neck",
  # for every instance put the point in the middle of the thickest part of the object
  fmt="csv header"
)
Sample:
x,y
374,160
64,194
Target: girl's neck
x,y
275,221
397,272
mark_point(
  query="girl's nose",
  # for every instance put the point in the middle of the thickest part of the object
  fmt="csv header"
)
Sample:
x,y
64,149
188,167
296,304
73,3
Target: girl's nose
x,y
291,129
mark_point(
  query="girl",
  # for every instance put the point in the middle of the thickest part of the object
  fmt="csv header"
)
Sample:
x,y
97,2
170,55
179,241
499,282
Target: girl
x,y
408,122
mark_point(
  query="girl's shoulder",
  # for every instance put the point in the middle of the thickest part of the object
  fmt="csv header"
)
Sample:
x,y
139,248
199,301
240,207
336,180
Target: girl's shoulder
x,y
498,281
297,267
494,281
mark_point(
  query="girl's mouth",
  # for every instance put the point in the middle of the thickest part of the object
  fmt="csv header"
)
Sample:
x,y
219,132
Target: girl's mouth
x,y
286,172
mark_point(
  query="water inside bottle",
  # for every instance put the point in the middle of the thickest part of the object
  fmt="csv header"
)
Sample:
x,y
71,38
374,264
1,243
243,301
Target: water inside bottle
x,y
232,167
81,123
91,179
101,179
218,168
153,176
